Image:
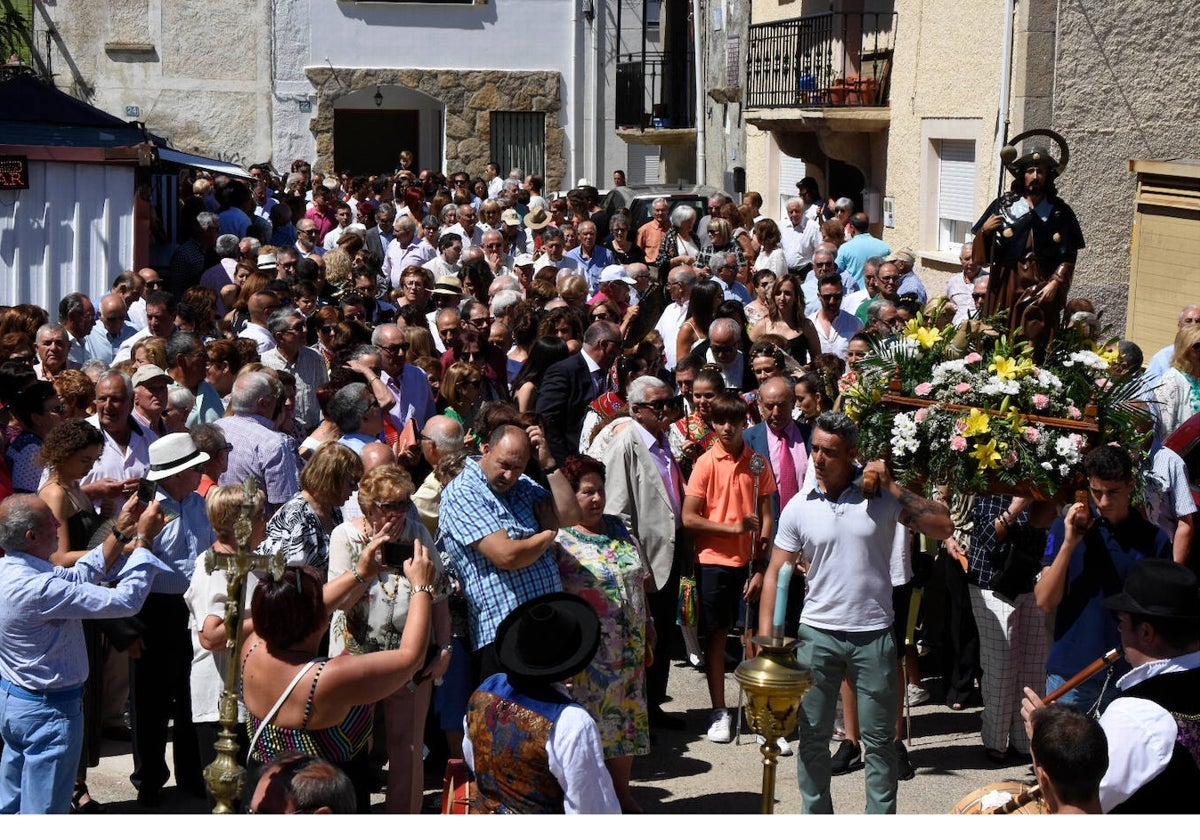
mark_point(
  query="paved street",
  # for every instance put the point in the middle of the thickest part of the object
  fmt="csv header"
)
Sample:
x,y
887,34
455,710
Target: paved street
x,y
685,774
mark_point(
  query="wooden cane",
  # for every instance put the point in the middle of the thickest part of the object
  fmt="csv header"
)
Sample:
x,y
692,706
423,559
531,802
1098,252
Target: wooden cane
x,y
1104,661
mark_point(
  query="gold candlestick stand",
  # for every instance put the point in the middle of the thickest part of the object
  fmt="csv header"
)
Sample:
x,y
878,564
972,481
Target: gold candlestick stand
x,y
225,777
774,683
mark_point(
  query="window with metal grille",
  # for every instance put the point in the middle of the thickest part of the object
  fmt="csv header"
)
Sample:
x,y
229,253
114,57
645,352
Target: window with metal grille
x,y
518,140
956,192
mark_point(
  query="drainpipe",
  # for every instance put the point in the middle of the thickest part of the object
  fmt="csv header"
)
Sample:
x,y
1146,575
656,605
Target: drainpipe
x,y
701,156
1002,115
596,86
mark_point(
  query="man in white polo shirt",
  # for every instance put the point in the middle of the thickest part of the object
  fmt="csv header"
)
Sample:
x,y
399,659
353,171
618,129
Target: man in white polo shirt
x,y
846,540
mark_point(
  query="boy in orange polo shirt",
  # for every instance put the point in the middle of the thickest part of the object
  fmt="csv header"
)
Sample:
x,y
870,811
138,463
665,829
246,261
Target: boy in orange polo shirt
x,y
730,527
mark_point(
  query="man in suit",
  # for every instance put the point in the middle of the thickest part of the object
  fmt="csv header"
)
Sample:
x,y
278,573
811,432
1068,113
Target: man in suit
x,y
380,236
645,488
784,444
571,384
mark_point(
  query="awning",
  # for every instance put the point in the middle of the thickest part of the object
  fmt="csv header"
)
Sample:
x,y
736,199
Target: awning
x,y
200,162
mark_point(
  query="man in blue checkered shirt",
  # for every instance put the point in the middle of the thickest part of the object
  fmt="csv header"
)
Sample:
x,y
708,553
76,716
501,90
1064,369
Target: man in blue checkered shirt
x,y
499,528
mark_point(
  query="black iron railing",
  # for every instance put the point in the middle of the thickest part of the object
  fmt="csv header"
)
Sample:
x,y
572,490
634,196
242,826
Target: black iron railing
x,y
659,92
835,59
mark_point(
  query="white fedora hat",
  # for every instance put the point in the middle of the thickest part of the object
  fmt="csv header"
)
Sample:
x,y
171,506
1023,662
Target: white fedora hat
x,y
172,454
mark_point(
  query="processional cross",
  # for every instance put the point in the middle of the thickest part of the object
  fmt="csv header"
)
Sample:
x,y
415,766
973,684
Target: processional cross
x,y
225,777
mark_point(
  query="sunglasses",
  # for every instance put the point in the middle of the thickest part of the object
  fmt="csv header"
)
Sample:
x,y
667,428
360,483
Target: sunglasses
x,y
723,348
830,298
393,348
978,295
655,405
394,507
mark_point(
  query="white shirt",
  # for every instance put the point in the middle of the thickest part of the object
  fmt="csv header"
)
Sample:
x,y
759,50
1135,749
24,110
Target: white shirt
x,y
959,289
852,544
566,262
476,237
114,462
1141,734
843,328
261,336
125,351
206,596
668,326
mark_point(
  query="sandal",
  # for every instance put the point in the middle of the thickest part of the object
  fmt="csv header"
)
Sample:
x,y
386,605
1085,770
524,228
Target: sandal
x,y
78,806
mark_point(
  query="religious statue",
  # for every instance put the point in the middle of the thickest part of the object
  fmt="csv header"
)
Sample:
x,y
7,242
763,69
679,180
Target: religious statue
x,y
1030,238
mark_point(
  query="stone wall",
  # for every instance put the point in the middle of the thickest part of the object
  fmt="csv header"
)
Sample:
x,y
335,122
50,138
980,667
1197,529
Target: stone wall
x,y
469,98
1124,87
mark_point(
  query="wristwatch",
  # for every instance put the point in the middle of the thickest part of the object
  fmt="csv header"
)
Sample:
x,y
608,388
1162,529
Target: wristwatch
x,y
425,587
121,538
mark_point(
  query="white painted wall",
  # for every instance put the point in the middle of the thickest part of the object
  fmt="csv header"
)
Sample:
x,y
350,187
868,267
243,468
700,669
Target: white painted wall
x,y
508,35
71,231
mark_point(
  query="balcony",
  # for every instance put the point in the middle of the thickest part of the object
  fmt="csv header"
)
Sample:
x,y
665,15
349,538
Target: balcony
x,y
835,66
656,98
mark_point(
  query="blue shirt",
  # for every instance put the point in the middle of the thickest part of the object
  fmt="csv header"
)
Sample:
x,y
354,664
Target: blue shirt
x,y
853,255
471,511
100,345
1083,628
185,535
41,637
601,259
260,451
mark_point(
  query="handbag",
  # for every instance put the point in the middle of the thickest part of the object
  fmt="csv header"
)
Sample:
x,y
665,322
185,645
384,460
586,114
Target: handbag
x,y
1017,562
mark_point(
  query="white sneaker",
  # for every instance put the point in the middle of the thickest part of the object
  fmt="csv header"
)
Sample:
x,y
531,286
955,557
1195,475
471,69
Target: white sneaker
x,y
917,695
719,729
784,747
695,660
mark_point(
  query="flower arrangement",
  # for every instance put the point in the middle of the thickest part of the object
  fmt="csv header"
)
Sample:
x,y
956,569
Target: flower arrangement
x,y
978,411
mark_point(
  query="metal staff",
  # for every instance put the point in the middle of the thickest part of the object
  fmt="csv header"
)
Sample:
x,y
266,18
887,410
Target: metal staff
x,y
757,464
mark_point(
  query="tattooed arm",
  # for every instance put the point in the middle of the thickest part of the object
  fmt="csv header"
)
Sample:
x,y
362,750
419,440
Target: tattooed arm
x,y
917,513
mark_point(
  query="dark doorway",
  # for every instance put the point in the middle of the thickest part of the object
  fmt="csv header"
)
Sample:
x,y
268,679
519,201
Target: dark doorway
x,y
845,181
369,142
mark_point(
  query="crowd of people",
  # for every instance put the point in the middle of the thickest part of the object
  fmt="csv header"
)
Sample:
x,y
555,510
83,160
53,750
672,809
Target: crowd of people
x,y
542,417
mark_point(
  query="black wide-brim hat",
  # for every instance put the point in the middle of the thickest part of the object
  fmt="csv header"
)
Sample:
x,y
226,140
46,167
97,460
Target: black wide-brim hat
x,y
1159,588
548,638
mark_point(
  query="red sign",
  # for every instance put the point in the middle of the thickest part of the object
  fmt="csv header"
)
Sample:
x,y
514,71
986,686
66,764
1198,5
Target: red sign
x,y
14,173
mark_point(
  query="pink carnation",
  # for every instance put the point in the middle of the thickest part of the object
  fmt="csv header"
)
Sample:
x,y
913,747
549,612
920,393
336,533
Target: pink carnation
x,y
960,426
1010,459
1073,412
1032,435
921,415
962,388
958,443
923,389
972,358
1040,401
1078,441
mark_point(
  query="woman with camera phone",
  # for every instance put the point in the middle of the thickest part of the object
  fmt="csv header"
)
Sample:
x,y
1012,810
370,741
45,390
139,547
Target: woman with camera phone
x,y
371,613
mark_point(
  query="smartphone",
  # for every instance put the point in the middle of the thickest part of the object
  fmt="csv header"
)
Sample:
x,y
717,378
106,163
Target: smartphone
x,y
395,553
146,490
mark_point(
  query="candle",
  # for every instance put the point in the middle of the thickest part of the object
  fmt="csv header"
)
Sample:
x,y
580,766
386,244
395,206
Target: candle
x,y
781,597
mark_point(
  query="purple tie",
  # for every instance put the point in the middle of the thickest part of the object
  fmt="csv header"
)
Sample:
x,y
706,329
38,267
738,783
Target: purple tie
x,y
788,486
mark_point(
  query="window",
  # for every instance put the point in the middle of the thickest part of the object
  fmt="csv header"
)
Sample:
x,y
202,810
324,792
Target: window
x,y
956,192
518,140
642,164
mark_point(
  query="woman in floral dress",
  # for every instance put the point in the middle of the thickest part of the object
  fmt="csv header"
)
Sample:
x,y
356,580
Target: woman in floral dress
x,y
599,562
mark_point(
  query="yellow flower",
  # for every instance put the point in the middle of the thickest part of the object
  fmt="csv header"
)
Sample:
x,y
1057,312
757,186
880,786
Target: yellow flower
x,y
977,423
1110,354
1007,367
925,336
987,455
